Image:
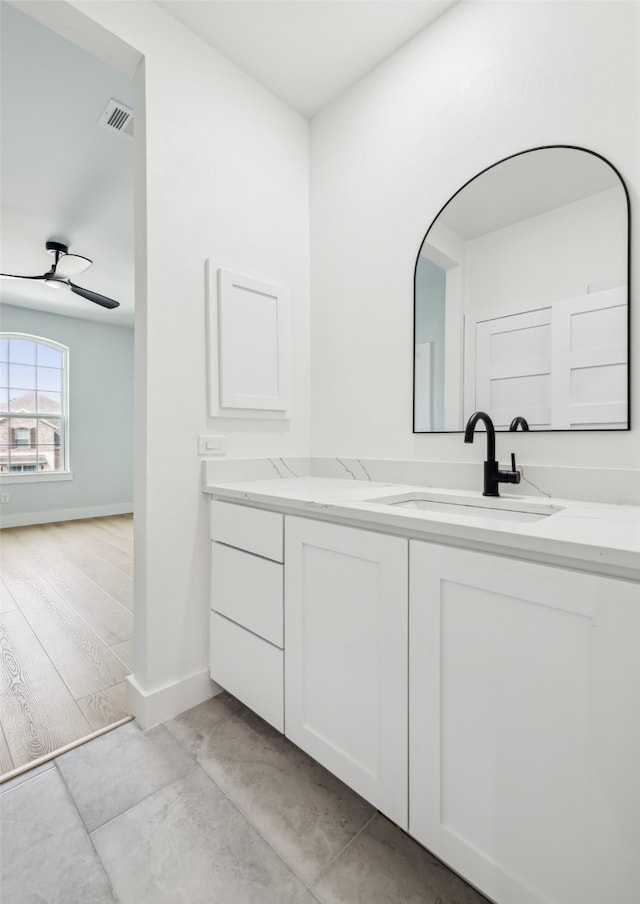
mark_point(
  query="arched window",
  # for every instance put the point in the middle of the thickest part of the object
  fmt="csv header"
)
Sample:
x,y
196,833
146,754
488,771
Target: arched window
x,y
33,406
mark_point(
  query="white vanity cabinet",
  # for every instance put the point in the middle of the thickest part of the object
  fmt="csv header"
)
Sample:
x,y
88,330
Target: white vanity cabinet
x,y
346,656
488,705
246,632
524,697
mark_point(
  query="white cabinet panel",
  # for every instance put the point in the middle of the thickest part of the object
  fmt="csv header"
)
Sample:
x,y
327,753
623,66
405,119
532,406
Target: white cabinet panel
x,y
248,590
249,668
254,530
253,343
524,726
346,656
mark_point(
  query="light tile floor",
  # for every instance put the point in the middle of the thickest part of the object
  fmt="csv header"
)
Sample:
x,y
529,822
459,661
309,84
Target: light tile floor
x,y
214,807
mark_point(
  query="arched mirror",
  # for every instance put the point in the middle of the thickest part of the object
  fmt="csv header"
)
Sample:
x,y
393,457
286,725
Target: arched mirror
x,y
521,300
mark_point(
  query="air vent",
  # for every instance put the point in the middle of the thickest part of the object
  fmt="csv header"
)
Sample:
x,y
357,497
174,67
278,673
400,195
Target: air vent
x,y
118,118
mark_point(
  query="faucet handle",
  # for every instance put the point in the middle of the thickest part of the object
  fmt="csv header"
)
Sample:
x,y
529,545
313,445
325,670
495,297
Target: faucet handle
x,y
514,474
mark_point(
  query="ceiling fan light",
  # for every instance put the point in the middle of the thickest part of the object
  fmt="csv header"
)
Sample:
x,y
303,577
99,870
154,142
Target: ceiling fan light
x,y
56,283
69,265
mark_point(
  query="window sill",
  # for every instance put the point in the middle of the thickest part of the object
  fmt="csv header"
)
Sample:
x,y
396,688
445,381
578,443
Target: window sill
x,y
36,477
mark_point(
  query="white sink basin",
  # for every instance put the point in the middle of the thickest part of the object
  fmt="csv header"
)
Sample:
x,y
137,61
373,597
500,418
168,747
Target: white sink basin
x,y
497,508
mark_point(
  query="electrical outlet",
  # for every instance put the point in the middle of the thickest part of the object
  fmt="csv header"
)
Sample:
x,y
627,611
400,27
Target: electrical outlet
x,y
212,445
5,497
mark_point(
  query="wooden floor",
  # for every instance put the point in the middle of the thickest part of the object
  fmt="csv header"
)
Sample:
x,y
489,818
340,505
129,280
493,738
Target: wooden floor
x,y
66,629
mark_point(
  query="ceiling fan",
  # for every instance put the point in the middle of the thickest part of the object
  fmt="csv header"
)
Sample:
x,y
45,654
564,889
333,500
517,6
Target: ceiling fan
x,y
65,266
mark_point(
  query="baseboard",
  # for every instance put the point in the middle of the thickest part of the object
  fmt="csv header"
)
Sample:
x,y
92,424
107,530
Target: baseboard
x,y
75,514
152,707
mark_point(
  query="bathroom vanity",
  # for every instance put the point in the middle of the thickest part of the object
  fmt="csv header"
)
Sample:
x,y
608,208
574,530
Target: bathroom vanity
x,y
469,666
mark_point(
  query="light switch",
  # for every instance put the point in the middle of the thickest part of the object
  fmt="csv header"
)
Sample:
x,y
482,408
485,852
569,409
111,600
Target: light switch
x,y
212,445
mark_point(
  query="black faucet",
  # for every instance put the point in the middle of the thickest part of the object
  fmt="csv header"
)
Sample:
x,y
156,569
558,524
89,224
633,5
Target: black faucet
x,y
518,421
493,476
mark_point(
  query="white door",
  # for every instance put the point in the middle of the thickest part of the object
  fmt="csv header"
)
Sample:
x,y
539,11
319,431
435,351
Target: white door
x,y
346,656
561,367
524,729
513,368
589,361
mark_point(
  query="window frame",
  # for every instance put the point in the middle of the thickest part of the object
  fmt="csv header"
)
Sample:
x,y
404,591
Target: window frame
x,y
65,472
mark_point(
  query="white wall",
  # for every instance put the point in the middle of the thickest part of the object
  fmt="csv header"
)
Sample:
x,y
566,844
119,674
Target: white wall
x,y
100,421
485,81
226,176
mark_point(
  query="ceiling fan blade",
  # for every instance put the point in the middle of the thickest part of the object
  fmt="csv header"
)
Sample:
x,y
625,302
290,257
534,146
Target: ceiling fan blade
x,y
94,296
69,265
15,276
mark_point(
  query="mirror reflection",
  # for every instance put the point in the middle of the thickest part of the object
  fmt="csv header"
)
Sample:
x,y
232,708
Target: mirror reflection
x,y
521,298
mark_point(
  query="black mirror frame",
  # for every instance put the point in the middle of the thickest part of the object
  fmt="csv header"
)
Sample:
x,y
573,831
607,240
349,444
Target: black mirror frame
x,y
415,269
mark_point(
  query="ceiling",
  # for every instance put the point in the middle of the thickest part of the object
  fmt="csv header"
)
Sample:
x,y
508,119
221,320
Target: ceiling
x,y
307,52
64,177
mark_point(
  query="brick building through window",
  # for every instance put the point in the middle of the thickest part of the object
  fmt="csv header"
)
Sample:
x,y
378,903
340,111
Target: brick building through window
x,y
33,404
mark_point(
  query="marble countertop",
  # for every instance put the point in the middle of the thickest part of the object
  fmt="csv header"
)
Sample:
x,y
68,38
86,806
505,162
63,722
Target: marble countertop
x,y
595,537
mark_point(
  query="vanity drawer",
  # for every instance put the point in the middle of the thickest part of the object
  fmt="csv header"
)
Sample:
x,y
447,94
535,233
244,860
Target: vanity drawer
x,y
249,668
254,530
248,590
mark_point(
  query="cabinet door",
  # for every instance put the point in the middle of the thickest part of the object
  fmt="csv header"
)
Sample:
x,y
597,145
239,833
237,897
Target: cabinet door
x,y
524,726
346,656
